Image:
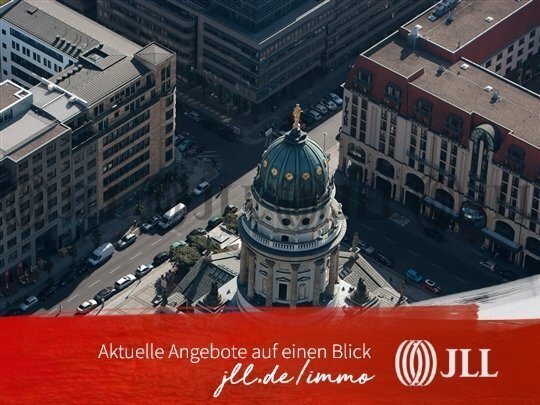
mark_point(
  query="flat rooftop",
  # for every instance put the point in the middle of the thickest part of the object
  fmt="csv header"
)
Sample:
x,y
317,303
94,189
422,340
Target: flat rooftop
x,y
27,134
517,109
7,94
56,102
47,19
469,21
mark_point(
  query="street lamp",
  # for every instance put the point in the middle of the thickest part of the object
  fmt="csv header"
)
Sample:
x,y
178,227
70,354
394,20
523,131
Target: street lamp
x,y
324,142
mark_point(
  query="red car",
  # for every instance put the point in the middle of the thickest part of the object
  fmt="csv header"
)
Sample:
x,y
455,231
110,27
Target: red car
x,y
195,150
432,286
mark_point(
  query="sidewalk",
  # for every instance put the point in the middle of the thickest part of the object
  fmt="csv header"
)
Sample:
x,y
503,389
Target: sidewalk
x,y
251,128
115,228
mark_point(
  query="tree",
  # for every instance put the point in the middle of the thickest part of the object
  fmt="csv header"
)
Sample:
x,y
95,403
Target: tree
x,y
184,258
230,222
96,236
199,243
73,252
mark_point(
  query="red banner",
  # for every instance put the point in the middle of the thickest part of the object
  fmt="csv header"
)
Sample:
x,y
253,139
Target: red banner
x,y
403,355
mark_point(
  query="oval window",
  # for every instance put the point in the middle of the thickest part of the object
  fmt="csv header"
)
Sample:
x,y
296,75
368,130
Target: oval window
x,y
305,221
286,221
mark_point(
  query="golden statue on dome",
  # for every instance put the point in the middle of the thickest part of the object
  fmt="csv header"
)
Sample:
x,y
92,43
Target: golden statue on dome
x,y
296,115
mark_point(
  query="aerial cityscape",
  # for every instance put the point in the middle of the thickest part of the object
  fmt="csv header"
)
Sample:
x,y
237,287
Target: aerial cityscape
x,y
210,156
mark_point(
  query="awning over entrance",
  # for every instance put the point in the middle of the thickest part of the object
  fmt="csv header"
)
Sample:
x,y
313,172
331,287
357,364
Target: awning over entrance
x,y
441,207
498,238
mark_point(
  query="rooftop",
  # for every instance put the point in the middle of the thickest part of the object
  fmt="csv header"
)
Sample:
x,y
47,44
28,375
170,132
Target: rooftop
x,y
469,21
46,20
154,54
28,133
517,108
56,102
7,94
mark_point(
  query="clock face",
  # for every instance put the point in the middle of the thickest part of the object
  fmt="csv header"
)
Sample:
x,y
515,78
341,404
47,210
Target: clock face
x,y
319,170
265,163
305,176
274,171
289,176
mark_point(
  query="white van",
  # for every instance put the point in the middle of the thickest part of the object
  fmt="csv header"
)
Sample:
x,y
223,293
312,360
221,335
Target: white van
x,y
101,254
173,216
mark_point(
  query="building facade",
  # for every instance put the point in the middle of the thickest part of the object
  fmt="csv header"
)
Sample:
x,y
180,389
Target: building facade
x,y
251,55
291,228
429,121
117,101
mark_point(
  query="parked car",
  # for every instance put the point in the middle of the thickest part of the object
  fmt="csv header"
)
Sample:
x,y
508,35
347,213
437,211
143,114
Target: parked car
x,y
29,303
432,286
86,307
413,275
214,221
177,244
321,109
196,232
335,98
13,312
433,234
194,115
104,294
67,278
508,275
47,292
180,137
230,209
143,270
126,240
488,264
195,150
383,259
160,258
124,282
329,104
101,254
313,114
150,223
201,188
364,247
185,145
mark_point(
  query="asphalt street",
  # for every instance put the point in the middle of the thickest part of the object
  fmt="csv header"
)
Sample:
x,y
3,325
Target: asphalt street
x,y
237,168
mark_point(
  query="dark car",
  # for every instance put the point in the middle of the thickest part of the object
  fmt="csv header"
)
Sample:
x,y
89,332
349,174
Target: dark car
x,y
160,258
13,312
67,278
230,209
195,150
47,292
104,294
433,234
383,259
508,275
214,221
150,223
196,232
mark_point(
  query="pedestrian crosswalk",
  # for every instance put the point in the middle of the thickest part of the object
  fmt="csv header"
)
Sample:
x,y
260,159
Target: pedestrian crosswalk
x,y
210,157
399,219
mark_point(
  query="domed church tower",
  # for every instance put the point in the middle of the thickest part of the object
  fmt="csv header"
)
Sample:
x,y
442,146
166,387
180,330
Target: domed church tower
x,y
291,227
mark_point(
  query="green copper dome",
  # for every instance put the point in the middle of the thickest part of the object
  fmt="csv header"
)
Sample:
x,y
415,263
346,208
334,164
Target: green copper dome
x,y
293,172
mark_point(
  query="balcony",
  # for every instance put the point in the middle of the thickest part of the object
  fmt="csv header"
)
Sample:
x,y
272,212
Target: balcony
x,y
513,163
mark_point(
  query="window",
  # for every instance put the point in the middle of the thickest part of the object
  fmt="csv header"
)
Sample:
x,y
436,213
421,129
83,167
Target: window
x,y
509,60
488,64
510,48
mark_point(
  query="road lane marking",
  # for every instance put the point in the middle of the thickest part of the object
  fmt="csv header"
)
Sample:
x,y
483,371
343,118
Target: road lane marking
x,y
157,241
113,270
367,227
93,284
76,295
389,240
413,253
135,256
436,265
459,278
52,310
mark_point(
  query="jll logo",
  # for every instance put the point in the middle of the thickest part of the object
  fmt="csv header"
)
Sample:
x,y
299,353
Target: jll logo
x,y
416,363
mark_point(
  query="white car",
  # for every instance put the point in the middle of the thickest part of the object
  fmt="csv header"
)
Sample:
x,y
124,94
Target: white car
x,y
329,104
489,265
143,270
335,98
124,282
201,188
194,115
86,307
28,303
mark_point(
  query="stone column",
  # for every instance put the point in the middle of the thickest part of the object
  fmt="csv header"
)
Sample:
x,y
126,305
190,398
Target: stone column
x,y
330,288
319,265
251,275
244,265
270,282
294,285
